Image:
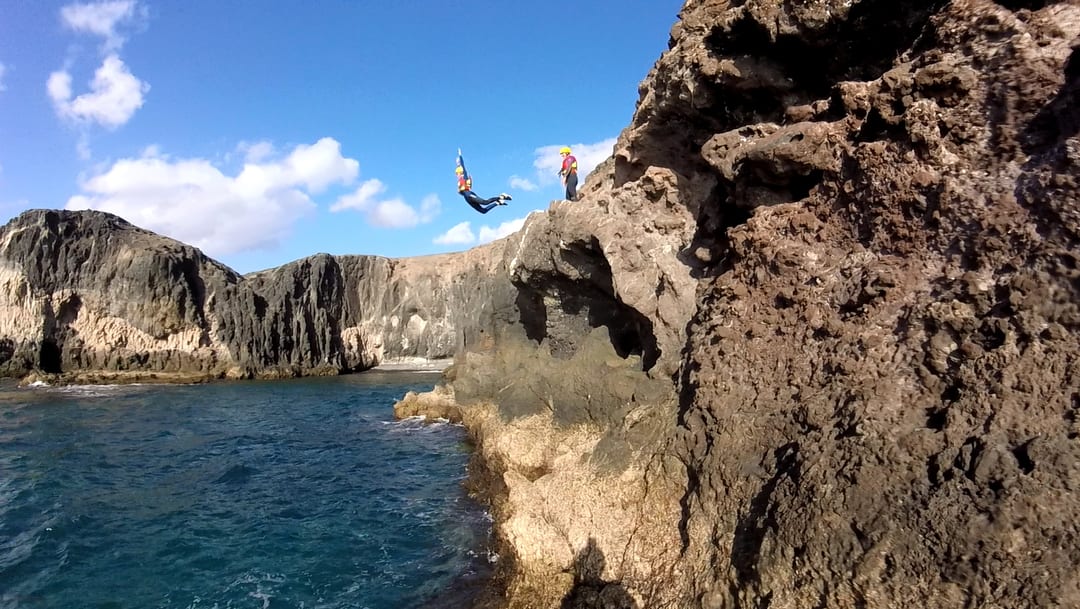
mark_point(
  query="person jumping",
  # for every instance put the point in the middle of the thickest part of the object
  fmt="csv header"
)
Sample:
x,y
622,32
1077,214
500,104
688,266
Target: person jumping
x,y
464,188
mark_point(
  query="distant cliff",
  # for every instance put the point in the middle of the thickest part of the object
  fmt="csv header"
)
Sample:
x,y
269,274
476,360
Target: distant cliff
x,y
87,296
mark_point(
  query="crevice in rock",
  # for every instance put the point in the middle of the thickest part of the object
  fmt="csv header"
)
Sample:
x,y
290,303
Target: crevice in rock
x,y
751,528
7,350
716,217
937,418
1023,457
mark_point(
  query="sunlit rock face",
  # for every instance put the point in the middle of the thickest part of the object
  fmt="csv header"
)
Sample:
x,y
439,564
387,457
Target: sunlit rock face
x,y
809,339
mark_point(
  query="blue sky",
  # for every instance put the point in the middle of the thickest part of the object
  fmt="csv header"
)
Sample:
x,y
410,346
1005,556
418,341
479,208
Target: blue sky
x,y
263,132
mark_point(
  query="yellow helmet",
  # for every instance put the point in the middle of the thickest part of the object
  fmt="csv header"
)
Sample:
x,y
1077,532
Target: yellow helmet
x,y
564,150
458,169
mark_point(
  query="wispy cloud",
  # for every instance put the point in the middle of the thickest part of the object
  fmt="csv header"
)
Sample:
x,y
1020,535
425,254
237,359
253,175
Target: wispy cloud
x,y
522,183
255,152
548,162
462,234
101,19
195,202
391,212
3,69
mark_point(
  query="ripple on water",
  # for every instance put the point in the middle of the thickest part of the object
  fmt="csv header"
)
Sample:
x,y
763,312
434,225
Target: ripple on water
x,y
286,494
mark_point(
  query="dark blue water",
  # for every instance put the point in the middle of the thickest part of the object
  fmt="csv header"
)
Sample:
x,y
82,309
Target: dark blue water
x,y
292,494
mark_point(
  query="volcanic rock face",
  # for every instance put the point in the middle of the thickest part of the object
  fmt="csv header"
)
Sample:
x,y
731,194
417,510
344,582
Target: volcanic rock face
x,y
810,337
87,296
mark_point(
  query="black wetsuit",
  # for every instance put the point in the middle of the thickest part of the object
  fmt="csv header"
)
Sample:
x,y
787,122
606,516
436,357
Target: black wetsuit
x,y
571,186
481,205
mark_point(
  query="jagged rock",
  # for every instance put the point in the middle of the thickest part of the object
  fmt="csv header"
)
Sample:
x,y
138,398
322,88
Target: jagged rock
x,y
85,296
846,233
808,339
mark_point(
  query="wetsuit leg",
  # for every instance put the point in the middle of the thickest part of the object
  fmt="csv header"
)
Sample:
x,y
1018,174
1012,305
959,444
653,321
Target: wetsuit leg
x,y
481,205
571,187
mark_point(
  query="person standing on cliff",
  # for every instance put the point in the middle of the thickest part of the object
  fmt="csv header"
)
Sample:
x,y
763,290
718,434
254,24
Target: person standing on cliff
x,y
569,173
464,188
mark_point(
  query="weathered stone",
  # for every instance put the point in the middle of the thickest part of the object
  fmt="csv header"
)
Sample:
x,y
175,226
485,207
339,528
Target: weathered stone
x,y
808,339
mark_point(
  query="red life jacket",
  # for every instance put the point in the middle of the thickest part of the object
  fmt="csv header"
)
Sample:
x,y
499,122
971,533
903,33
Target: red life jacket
x,y
569,165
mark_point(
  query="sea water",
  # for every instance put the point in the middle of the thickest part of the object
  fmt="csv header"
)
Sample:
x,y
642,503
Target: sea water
x,y
301,494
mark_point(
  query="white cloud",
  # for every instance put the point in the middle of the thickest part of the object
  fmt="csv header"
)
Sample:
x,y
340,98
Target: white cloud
x,y
193,201
115,94
387,213
101,19
522,183
316,166
3,69
393,213
548,162
488,234
460,234
255,152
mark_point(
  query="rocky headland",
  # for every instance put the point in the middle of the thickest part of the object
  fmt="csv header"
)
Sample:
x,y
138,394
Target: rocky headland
x,y
809,338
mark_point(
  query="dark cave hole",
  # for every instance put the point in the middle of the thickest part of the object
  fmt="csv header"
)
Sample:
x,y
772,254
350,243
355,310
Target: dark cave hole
x,y
937,418
1023,459
991,337
876,128
718,214
952,394
49,357
801,185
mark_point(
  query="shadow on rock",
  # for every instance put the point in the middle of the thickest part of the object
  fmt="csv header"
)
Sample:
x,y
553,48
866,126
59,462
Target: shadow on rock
x,y
590,591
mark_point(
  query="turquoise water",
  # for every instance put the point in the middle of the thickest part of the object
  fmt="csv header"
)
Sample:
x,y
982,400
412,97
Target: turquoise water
x,y
293,494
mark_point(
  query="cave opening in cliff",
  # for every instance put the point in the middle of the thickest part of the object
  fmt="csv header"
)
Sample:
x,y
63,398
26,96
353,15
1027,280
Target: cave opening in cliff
x,y
709,252
561,309
49,359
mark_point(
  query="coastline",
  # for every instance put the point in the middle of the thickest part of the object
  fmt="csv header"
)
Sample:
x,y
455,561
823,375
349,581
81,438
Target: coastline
x,y
413,364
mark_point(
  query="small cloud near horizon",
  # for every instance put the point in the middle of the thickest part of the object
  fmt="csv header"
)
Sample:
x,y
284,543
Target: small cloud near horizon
x,y
462,234
387,212
3,69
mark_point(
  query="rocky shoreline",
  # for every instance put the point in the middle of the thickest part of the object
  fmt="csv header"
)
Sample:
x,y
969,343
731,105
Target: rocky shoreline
x,y
810,337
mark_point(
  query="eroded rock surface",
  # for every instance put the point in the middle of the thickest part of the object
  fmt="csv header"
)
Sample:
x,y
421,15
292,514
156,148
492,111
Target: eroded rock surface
x,y
832,270
808,339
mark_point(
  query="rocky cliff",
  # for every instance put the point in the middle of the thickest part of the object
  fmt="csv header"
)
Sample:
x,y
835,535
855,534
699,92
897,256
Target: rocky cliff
x,y
810,338
86,296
